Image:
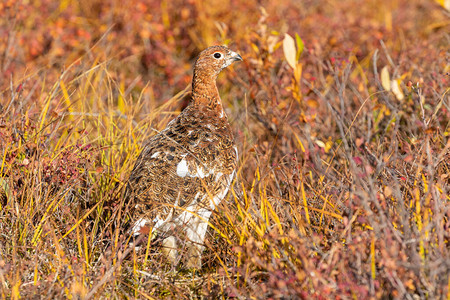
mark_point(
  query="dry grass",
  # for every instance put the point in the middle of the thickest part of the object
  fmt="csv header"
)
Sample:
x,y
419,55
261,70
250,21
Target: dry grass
x,y
343,183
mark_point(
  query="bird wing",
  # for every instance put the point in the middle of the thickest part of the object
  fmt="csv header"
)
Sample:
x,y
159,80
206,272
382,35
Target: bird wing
x,y
187,166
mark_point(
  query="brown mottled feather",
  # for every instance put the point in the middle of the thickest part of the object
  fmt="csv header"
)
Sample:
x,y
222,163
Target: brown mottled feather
x,y
190,164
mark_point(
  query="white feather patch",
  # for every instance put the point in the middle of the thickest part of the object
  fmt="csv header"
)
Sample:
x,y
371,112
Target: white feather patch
x,y
200,173
182,168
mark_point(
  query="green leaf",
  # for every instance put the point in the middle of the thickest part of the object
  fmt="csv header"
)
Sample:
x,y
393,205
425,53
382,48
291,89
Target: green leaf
x,y
300,45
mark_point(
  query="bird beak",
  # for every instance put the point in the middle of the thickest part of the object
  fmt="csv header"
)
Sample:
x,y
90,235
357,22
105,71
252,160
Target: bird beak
x,y
235,56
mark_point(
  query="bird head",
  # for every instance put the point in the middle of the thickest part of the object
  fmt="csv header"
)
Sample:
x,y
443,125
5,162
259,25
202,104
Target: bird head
x,y
214,59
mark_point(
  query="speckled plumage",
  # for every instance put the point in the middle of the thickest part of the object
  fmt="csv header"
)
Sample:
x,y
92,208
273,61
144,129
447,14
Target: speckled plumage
x,y
185,170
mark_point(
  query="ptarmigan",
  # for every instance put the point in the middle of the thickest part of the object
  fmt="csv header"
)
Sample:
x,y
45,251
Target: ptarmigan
x,y
185,170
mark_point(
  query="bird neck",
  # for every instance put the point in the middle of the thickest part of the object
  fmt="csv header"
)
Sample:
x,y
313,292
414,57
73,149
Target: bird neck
x,y
205,92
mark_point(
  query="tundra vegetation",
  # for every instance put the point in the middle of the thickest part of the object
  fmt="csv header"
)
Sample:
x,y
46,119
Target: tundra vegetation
x,y
340,111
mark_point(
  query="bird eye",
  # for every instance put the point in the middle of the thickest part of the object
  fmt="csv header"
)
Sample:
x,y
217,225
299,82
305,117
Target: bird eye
x,y
217,55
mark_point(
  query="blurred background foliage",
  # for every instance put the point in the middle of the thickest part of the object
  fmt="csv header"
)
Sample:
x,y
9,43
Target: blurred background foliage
x,y
341,114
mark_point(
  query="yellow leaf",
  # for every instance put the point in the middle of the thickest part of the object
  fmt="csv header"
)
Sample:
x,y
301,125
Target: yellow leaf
x,y
328,145
396,90
385,80
255,48
298,72
290,51
312,103
445,4
320,143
